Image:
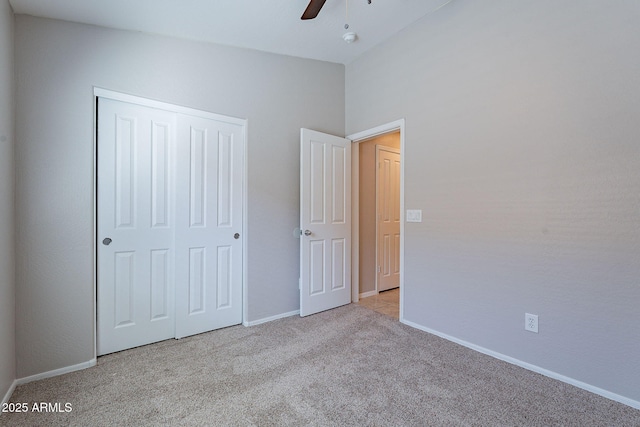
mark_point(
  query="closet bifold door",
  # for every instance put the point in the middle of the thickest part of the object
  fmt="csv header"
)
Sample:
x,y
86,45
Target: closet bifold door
x,y
209,225
135,253
169,224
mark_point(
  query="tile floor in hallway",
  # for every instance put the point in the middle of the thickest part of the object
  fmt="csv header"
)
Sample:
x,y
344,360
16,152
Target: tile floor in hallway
x,y
386,302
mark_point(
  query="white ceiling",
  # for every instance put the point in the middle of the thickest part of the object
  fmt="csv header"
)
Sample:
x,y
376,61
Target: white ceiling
x,y
267,25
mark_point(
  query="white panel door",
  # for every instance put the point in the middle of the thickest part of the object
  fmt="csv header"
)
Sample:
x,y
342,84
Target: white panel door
x,y
135,226
208,225
325,221
169,224
388,217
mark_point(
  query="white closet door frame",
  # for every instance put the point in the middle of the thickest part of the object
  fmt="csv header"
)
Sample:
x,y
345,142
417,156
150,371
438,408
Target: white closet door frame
x,y
118,96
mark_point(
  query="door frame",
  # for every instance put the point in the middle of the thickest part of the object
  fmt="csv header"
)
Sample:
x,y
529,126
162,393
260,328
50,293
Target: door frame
x,y
356,138
146,102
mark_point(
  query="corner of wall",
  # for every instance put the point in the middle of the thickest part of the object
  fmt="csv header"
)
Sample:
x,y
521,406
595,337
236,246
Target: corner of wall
x,y
7,201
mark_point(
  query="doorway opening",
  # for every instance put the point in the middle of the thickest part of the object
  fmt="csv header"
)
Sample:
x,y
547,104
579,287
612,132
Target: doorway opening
x,y
378,225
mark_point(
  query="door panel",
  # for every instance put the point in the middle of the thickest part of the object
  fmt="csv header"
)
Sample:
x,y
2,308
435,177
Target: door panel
x,y
160,184
209,215
388,214
135,285
325,218
160,281
338,264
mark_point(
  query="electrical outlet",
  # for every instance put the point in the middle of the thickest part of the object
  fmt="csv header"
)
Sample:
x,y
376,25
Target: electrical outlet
x,y
531,322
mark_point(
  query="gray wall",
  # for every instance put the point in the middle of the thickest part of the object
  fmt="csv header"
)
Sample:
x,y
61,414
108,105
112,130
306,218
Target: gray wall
x,y
522,150
7,283
58,63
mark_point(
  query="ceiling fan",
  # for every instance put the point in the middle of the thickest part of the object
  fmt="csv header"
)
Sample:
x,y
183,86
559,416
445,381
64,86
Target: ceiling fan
x,y
314,7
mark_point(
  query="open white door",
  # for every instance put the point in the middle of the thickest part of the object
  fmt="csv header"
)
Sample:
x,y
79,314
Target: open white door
x,y
325,221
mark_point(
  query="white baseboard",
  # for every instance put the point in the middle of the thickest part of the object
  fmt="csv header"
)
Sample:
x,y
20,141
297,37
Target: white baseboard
x,y
368,294
9,392
47,374
272,318
56,372
547,373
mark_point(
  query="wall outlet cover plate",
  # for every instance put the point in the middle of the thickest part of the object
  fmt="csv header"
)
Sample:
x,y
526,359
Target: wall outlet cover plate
x,y
414,215
531,322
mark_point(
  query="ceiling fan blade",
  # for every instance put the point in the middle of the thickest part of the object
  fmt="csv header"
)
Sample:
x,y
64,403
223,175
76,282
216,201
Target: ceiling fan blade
x,y
313,9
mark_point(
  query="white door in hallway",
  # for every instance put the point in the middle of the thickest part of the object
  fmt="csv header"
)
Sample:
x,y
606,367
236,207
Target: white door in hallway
x,y
169,197
325,221
388,217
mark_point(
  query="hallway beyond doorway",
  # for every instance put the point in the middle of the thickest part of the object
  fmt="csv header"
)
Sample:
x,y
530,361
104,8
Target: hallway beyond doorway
x,y
386,302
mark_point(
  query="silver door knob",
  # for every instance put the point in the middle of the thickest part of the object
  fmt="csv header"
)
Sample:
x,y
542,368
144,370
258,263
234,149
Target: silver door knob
x,y
307,232
236,236
107,241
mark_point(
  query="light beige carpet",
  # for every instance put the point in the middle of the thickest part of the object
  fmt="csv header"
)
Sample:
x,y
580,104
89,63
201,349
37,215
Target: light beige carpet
x,y
345,367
